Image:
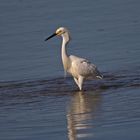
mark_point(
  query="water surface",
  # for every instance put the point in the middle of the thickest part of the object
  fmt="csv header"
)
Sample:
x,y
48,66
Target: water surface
x,y
37,102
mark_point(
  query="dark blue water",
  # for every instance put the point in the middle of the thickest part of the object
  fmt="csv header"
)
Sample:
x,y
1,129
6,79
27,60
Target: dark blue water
x,y
37,102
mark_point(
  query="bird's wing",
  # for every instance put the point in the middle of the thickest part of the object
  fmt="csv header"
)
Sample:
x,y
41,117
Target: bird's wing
x,y
85,68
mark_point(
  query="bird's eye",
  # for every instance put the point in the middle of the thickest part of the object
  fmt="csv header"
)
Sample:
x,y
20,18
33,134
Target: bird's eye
x,y
59,32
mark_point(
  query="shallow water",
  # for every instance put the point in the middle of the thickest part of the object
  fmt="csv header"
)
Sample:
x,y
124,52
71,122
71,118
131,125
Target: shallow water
x,y
37,102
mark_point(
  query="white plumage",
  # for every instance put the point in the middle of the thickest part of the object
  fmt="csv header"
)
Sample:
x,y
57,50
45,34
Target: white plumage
x,y
80,68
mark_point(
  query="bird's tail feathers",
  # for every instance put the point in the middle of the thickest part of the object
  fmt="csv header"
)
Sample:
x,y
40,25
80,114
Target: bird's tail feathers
x,y
99,76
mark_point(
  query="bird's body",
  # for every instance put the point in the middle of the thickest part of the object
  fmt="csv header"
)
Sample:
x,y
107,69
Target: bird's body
x,y
80,68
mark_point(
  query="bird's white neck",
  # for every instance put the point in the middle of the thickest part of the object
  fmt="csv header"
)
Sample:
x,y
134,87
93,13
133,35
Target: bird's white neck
x,y
65,57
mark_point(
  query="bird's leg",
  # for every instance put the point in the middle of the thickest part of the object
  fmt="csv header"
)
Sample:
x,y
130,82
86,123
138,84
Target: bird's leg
x,y
80,82
76,81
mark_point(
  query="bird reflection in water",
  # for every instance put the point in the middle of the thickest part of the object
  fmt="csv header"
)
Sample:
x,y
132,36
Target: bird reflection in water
x,y
81,112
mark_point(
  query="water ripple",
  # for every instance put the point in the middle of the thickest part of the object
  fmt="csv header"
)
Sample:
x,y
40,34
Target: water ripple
x,y
110,81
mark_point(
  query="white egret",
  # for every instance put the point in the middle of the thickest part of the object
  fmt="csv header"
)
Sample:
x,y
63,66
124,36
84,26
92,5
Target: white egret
x,y
81,69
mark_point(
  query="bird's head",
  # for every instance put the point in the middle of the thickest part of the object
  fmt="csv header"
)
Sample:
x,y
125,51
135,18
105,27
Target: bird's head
x,y
61,31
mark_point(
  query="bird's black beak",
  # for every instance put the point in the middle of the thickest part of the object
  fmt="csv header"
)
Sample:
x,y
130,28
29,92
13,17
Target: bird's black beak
x,y
50,36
